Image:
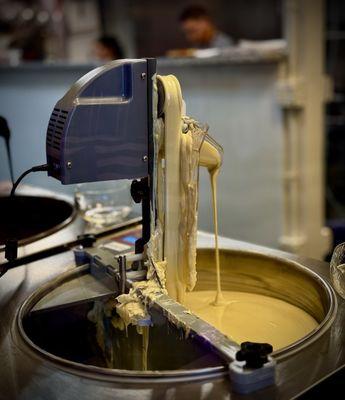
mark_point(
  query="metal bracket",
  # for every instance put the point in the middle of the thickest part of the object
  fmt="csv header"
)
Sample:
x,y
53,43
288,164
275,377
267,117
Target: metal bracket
x,y
253,369
291,93
247,380
140,192
122,273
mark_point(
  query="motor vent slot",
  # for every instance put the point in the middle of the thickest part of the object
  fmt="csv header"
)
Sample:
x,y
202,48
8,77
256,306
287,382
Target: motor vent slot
x,y
55,128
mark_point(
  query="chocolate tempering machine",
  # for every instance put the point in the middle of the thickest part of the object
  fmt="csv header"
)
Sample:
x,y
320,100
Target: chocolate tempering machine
x,y
107,127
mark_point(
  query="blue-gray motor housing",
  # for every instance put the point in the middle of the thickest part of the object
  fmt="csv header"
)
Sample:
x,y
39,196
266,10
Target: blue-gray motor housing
x,y
102,128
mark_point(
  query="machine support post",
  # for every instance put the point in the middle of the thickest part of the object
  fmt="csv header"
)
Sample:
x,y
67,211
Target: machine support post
x,y
140,192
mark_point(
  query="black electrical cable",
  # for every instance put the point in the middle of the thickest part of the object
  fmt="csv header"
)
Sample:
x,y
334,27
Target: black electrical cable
x,y
6,134
37,168
11,246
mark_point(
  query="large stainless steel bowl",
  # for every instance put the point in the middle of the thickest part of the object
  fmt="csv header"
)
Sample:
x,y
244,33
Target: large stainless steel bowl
x,y
169,356
32,372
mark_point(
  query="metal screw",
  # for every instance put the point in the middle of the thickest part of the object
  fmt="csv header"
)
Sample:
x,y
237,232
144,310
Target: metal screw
x,y
143,75
69,164
145,158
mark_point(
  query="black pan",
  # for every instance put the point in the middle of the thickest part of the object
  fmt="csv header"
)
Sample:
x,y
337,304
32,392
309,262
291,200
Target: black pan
x,y
28,218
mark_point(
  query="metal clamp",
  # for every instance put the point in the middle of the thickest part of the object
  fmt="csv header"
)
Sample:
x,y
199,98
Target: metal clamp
x,y
253,369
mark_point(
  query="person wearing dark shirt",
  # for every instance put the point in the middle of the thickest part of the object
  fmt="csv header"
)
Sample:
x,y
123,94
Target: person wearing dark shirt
x,y
201,31
107,48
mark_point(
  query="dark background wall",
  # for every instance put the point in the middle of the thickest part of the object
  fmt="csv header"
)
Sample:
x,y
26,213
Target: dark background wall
x,y
335,112
157,29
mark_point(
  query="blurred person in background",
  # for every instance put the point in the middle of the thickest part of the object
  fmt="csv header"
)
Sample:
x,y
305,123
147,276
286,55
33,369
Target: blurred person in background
x,y
107,48
200,29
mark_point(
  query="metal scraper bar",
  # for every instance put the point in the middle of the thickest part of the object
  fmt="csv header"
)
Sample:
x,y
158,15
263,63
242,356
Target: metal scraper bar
x,y
200,330
80,286
244,380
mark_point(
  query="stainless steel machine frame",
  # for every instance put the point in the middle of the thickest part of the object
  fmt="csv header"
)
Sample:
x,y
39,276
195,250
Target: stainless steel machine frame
x,y
28,373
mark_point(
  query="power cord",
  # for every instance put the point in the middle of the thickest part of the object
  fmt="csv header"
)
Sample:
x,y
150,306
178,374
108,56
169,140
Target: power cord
x,y
11,246
37,168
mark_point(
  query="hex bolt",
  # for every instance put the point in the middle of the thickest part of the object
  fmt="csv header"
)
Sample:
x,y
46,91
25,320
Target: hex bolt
x,y
145,158
69,164
143,75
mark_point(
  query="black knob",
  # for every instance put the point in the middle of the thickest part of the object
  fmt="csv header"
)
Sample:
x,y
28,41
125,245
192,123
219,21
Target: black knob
x,y
86,240
254,354
139,190
11,249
